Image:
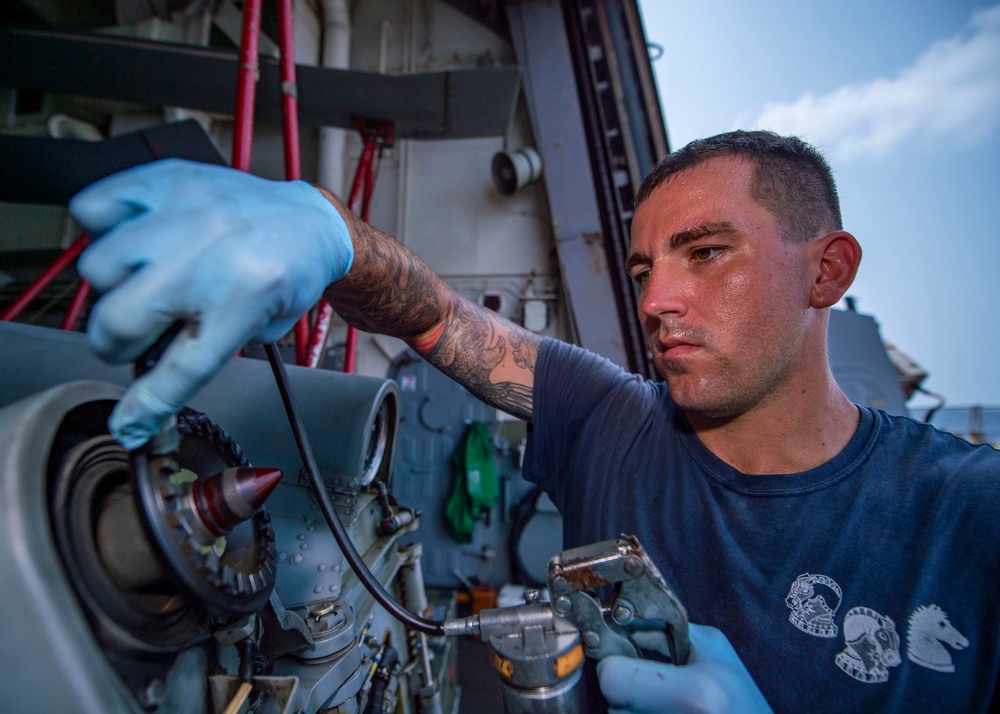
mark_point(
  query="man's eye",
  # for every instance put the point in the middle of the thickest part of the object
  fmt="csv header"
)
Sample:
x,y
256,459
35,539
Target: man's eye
x,y
705,253
641,278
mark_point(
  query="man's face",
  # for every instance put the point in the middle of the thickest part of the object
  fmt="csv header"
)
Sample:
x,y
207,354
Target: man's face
x,y
723,298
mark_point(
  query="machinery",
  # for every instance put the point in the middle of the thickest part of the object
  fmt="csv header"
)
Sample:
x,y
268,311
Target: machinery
x,y
156,582
160,580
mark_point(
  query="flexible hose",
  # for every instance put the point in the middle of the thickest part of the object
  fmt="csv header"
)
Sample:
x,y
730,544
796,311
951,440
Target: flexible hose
x,y
380,681
354,560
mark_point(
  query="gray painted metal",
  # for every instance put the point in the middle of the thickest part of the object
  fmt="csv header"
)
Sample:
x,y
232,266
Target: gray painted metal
x,y
860,363
611,141
41,619
432,105
339,410
434,415
542,49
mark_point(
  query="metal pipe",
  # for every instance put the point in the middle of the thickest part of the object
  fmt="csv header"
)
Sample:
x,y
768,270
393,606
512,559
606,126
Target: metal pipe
x,y
246,87
317,340
302,340
289,90
360,175
336,54
290,135
76,307
61,262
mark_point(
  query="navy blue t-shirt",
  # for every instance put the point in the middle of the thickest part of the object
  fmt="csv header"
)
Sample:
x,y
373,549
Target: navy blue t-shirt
x,y
870,583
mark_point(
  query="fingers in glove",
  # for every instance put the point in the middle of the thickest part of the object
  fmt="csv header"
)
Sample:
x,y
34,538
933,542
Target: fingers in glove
x,y
123,195
198,352
137,243
643,686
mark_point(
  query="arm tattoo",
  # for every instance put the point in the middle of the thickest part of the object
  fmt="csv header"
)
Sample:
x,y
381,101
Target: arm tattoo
x,y
389,290
472,350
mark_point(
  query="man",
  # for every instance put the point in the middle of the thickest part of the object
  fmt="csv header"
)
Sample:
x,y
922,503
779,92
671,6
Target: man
x,y
816,534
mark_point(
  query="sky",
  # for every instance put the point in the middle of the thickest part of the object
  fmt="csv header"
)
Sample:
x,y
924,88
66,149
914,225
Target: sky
x,y
903,98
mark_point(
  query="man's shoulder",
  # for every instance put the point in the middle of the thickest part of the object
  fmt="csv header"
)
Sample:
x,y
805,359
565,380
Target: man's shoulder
x,y
922,449
557,356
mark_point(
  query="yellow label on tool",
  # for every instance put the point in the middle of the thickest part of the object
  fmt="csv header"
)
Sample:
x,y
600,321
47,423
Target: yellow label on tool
x,y
567,663
502,665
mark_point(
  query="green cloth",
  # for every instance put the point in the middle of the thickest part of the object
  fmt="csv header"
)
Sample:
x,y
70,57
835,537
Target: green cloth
x,y
476,487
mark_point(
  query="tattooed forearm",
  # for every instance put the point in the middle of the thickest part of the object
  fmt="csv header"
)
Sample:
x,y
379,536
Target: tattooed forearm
x,y
493,358
390,290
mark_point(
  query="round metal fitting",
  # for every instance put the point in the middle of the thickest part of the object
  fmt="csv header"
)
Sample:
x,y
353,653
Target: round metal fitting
x,y
622,614
562,605
633,565
91,478
228,577
558,584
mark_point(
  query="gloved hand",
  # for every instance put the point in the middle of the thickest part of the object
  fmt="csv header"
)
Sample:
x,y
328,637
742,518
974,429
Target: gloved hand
x,y
237,257
714,680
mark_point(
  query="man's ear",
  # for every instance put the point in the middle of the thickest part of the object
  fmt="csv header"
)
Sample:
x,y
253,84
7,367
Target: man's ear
x,y
839,255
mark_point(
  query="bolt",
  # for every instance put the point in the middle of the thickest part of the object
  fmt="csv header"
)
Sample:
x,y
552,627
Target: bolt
x,y
531,596
622,614
562,605
559,584
322,610
633,565
591,639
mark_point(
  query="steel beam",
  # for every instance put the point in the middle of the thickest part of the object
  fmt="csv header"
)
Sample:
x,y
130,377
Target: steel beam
x,y
433,105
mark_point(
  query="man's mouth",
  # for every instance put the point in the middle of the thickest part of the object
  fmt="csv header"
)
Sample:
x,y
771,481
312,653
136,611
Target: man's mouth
x,y
672,343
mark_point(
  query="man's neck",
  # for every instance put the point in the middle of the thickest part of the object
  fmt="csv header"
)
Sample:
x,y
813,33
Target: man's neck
x,y
784,435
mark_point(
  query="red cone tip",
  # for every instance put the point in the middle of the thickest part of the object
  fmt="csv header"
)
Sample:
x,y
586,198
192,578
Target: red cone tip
x,y
226,499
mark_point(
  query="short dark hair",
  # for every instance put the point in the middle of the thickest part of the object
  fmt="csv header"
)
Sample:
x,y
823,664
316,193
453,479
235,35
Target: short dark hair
x,y
790,178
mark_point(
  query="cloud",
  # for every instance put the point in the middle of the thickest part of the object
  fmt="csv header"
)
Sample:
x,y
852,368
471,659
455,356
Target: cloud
x,y
951,91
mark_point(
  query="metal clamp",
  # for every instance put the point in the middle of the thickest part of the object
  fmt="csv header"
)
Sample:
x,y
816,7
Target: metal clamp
x,y
643,612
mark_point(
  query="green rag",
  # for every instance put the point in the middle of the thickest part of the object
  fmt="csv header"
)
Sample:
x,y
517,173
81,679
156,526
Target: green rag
x,y
475,487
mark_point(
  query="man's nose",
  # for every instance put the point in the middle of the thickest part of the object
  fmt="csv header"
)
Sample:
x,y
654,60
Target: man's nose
x,y
663,293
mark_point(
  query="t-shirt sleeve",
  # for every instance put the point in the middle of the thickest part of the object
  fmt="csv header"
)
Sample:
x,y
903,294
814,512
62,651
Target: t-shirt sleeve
x,y
578,395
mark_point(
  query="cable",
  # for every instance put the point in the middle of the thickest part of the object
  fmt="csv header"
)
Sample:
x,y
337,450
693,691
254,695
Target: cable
x,y
354,560
930,412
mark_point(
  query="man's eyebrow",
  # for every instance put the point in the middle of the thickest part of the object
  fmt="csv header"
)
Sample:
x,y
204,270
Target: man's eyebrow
x,y
635,259
702,230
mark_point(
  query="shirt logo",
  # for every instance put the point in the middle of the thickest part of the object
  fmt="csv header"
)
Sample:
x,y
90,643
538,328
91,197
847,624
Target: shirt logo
x,y
813,600
872,646
929,631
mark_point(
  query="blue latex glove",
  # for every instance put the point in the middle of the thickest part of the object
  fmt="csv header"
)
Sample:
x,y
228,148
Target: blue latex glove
x,y
239,258
713,681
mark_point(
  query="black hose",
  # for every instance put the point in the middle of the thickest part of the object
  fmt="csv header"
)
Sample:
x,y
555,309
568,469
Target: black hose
x,y
246,648
380,681
354,560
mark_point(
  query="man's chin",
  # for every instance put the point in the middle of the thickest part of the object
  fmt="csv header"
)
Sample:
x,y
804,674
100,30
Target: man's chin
x,y
700,403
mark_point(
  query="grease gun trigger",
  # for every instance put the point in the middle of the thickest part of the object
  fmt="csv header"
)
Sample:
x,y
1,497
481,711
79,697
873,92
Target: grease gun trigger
x,y
644,613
